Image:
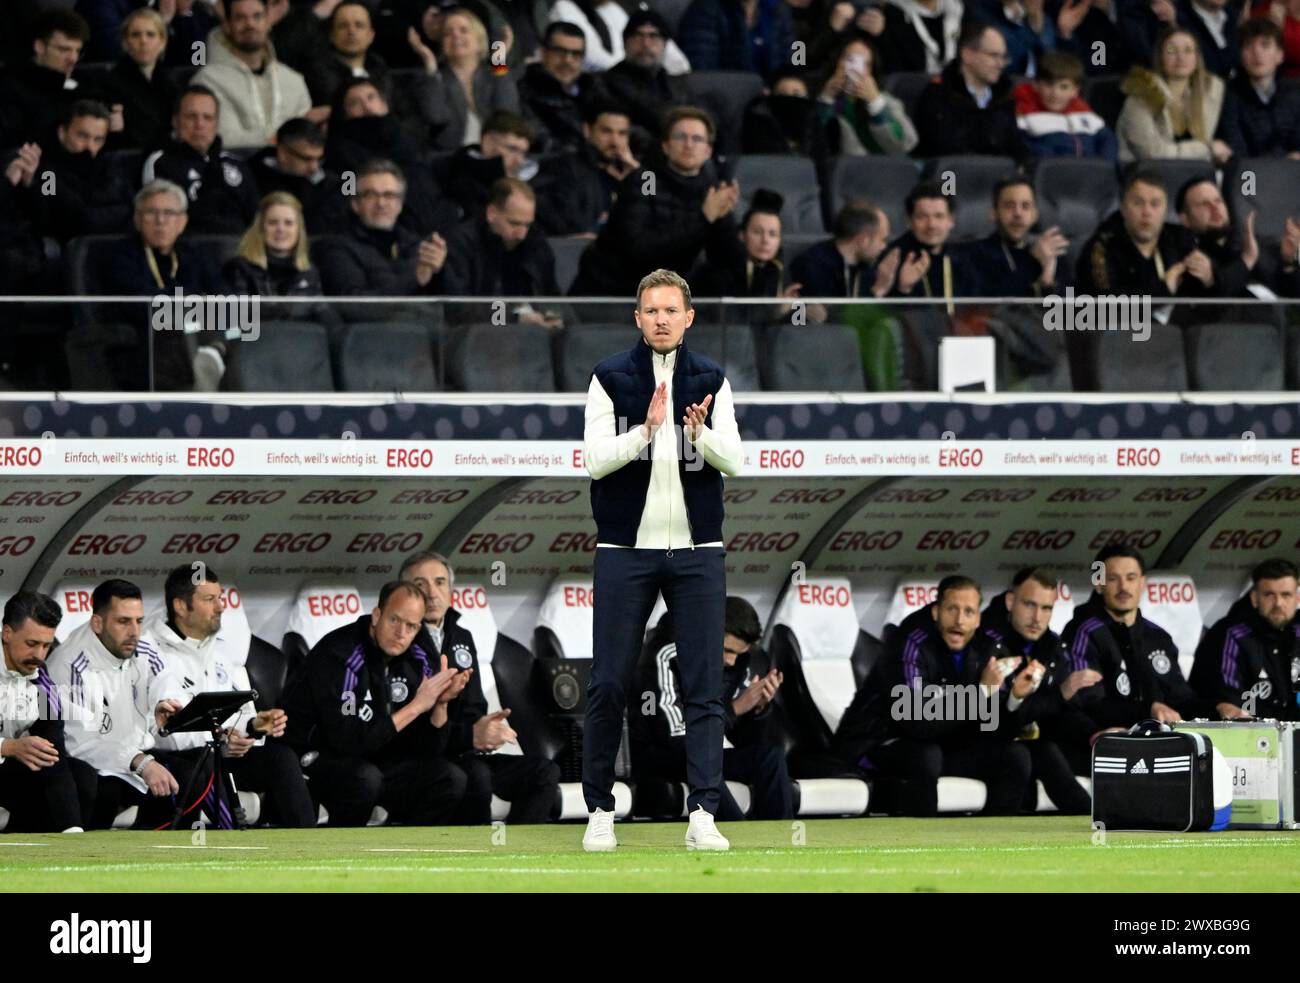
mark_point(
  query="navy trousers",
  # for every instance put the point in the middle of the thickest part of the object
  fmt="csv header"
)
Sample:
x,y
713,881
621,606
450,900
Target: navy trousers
x,y
627,583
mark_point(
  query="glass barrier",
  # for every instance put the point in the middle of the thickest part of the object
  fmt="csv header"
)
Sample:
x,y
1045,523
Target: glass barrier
x,y
207,343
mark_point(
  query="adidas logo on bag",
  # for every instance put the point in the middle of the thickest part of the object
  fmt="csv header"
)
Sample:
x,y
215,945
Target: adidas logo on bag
x,y
1140,768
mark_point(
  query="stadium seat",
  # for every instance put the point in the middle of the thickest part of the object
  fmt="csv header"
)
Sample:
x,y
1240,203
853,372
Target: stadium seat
x,y
1173,174
794,178
564,621
884,181
837,366
220,249
289,356
503,358
1235,356
866,652
908,596
317,610
975,176
568,252
792,244
732,347
1156,365
1172,603
387,356
585,346
907,87
1274,183
127,163
1075,193
671,11
725,95
1102,93
268,668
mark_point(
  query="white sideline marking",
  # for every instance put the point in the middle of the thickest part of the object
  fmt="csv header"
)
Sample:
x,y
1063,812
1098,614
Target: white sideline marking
x,y
191,846
419,849
8,843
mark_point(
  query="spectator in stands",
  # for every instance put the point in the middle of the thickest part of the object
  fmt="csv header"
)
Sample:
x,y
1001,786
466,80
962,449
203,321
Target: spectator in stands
x,y
1024,25
858,118
603,23
194,649
555,92
258,92
499,253
189,24
1288,281
1235,260
222,193
667,218
575,191
1172,110
1056,733
924,263
23,267
351,35
465,89
501,152
785,120
737,35
90,198
915,35
1137,659
658,738
295,166
754,268
44,788
157,264
140,84
1008,262
530,783
119,695
35,94
845,264
1212,23
641,82
1054,119
969,109
1248,663
1261,113
1090,30
363,129
1286,15
938,651
377,257
1136,252
366,716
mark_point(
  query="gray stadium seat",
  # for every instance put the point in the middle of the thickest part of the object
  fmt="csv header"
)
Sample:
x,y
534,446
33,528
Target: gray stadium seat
x,y
1076,193
732,347
128,163
1173,174
725,95
794,178
1155,365
1103,94
288,356
671,10
1232,355
1276,186
907,87
506,358
793,244
815,358
975,175
568,252
882,180
387,356
586,345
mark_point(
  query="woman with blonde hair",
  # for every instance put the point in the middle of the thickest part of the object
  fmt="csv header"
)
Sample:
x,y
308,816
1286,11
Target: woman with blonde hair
x,y
139,83
466,87
1173,108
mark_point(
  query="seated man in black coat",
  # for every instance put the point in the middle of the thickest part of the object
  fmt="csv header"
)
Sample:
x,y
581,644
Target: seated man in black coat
x,y
576,190
500,253
222,193
640,82
294,165
969,109
922,256
844,265
90,198
1261,110
555,91
1009,262
35,94
502,151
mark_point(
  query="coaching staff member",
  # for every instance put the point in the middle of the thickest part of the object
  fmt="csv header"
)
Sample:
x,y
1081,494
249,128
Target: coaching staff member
x,y
656,494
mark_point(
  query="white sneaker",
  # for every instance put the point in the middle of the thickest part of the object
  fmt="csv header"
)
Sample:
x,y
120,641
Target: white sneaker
x,y
74,829
209,367
599,837
701,834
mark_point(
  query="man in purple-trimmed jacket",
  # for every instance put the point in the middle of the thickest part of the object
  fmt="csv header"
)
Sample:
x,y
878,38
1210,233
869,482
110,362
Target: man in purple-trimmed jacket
x,y
364,714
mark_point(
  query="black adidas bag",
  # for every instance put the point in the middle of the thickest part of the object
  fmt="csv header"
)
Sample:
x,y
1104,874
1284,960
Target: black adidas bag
x,y
1153,779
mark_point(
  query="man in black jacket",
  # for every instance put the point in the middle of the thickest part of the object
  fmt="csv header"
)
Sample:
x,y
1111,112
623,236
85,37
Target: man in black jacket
x,y
575,191
934,704
656,495
502,152
1235,259
921,255
667,218
1261,112
294,165
223,195
1137,659
555,92
35,94
640,83
530,783
1248,663
366,717
845,264
1009,262
969,108
89,197
658,725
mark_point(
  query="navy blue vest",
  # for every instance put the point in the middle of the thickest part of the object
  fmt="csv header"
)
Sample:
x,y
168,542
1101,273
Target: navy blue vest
x,y
618,499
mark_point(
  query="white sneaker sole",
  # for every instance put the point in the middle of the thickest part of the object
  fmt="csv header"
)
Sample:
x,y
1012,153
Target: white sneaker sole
x,y
599,847
692,845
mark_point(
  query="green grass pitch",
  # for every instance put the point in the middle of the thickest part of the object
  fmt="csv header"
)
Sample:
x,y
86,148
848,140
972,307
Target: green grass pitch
x,y
1034,853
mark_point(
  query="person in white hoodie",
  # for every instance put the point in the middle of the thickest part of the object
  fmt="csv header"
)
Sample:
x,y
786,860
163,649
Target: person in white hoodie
x,y
118,694
192,644
44,789
258,92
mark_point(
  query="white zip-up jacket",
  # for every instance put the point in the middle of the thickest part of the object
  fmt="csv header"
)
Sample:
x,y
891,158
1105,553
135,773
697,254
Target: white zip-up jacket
x,y
664,523
25,700
110,702
210,666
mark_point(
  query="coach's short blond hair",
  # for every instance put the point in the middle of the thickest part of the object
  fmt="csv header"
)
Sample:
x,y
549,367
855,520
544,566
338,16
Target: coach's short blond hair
x,y
664,278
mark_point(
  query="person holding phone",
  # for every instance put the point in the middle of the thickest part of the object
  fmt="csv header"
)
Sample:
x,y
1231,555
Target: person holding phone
x,y
858,118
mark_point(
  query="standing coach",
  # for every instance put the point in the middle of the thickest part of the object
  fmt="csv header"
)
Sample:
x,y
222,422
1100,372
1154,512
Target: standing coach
x,y
656,494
